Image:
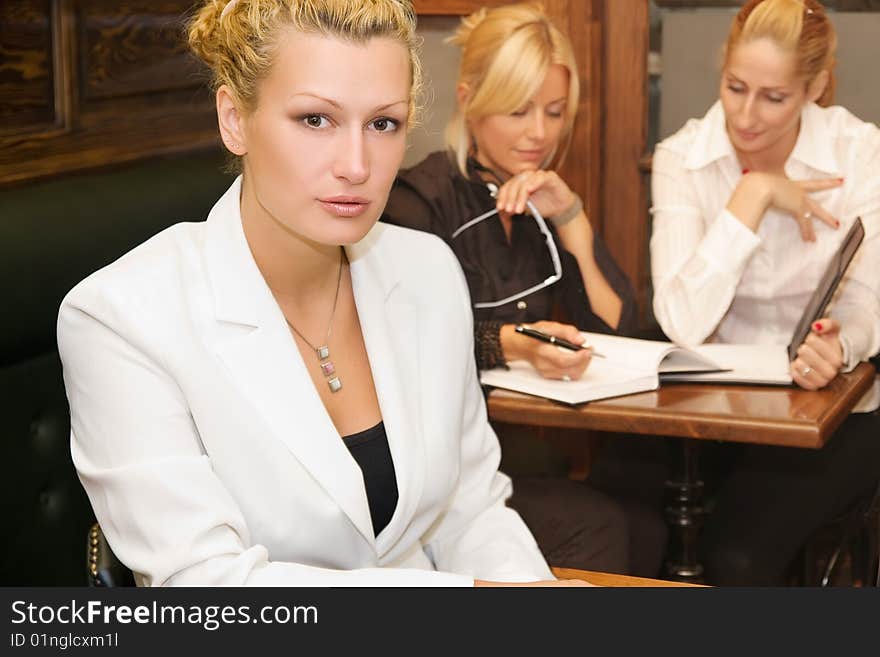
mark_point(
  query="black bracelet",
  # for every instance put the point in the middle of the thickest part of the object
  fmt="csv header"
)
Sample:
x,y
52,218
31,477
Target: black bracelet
x,y
487,345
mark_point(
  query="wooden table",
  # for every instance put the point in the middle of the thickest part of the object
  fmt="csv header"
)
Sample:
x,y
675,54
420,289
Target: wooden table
x,y
612,579
768,415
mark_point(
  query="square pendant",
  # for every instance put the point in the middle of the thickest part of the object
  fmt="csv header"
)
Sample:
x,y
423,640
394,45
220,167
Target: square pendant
x,y
327,368
323,353
335,384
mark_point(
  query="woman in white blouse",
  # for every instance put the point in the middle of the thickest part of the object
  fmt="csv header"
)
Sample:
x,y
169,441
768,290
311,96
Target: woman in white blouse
x,y
749,204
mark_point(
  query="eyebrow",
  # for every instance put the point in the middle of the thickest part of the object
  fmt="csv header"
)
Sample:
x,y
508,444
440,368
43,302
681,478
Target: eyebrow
x,y
779,89
338,106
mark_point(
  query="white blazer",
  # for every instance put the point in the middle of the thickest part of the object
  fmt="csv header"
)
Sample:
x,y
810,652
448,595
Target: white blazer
x,y
208,456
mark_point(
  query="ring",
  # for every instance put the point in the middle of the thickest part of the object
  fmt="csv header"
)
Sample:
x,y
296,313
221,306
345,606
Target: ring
x,y
808,215
805,371
566,377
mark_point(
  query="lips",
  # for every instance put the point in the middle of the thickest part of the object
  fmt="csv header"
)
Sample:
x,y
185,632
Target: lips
x,y
345,206
530,155
745,135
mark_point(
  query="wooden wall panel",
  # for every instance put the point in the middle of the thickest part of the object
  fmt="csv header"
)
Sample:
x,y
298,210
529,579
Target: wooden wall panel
x,y
453,7
122,86
134,47
580,19
625,126
27,95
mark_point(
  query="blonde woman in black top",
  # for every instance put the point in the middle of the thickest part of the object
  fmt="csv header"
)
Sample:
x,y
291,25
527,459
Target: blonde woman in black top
x,y
517,97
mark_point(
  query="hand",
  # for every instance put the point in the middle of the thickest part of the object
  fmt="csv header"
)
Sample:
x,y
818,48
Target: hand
x,y
549,582
546,190
550,361
820,357
759,191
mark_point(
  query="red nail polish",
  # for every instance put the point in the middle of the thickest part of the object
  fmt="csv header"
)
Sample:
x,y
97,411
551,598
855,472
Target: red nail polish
x,y
818,326
841,179
745,171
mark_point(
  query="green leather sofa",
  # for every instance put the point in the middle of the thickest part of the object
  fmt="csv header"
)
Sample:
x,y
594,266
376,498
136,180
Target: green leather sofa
x,y
52,235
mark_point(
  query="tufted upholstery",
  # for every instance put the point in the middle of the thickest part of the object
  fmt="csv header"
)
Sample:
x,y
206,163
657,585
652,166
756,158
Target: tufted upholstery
x,y
51,236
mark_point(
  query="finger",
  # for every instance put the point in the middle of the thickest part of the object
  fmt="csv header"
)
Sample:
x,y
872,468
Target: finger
x,y
524,192
820,370
796,370
819,184
537,180
565,359
804,219
517,194
827,350
502,200
826,325
570,333
564,331
820,213
575,373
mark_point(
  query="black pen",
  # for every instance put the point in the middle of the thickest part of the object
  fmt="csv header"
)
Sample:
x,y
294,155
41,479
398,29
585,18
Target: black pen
x,y
552,339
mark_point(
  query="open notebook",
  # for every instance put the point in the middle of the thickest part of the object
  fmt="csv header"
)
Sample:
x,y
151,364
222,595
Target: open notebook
x,y
631,365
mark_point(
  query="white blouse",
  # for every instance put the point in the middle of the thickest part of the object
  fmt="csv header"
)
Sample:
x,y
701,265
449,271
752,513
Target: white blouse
x,y
717,281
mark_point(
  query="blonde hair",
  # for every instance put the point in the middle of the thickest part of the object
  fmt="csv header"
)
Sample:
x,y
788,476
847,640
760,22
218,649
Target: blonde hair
x,y
237,41
798,26
505,55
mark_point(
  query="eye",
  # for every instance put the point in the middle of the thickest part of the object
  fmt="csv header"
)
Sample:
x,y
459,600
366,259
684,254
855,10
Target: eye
x,y
735,88
519,112
385,124
773,98
315,121
555,110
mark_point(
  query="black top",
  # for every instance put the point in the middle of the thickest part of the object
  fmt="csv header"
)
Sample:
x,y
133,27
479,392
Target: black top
x,y
370,449
434,197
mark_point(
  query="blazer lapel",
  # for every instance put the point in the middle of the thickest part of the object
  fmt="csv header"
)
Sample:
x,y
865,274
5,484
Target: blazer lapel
x,y
256,347
390,328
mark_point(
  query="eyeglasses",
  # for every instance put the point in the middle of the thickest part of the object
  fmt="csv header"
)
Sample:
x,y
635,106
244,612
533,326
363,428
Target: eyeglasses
x,y
548,239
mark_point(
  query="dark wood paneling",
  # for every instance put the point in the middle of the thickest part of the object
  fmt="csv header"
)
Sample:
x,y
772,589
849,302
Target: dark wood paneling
x,y
454,7
122,87
625,121
27,99
580,20
129,48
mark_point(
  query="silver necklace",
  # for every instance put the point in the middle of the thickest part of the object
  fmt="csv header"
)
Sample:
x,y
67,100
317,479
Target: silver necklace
x,y
323,352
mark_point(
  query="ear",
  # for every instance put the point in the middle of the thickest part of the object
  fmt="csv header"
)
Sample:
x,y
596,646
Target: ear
x,y
818,85
231,122
462,94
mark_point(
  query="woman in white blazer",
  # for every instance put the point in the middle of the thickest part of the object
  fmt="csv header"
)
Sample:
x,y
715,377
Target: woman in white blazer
x,y
217,372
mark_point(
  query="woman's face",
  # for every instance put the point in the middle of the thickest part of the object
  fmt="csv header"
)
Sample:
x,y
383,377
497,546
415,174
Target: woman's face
x,y
762,96
329,132
511,143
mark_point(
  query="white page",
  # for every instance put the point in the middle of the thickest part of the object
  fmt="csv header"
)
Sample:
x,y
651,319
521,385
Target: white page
x,y
748,363
630,353
650,355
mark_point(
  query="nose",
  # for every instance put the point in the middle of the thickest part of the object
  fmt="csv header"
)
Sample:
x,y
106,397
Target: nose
x,y
748,112
352,159
536,129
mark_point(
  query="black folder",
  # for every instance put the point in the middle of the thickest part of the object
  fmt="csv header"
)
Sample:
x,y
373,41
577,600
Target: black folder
x,y
818,303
